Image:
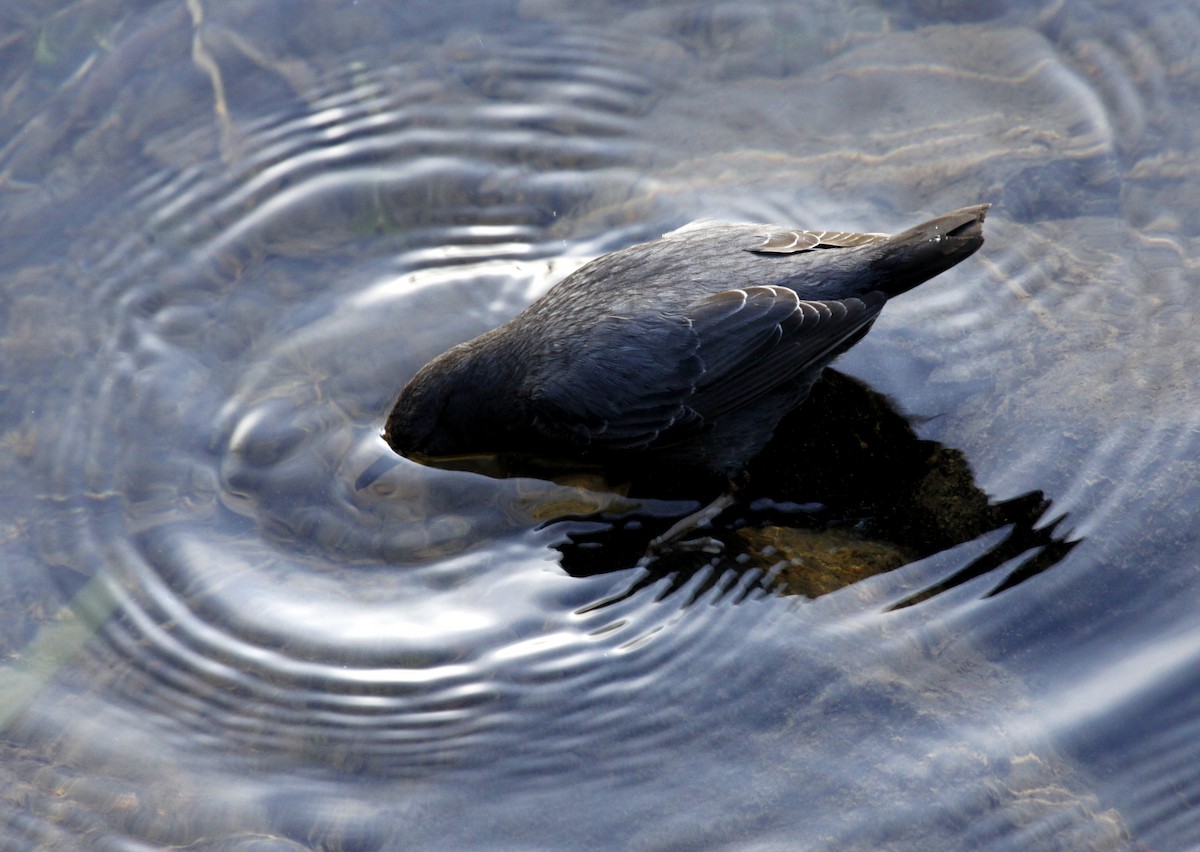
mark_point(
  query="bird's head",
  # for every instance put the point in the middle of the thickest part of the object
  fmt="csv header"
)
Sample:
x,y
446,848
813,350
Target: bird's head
x,y
456,404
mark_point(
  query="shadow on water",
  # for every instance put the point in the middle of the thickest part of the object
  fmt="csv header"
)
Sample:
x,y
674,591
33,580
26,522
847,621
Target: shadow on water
x,y
844,491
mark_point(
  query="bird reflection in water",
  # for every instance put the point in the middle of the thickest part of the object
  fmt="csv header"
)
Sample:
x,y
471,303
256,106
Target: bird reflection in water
x,y
845,490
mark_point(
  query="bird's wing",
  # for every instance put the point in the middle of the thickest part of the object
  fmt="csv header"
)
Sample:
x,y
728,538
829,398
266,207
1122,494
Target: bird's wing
x,y
634,381
790,242
756,340
621,385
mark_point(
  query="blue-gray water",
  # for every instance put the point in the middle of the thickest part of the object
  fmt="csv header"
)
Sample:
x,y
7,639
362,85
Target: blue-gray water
x,y
228,235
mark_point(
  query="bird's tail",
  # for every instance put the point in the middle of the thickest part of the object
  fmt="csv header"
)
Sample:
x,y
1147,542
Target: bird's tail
x,y
918,254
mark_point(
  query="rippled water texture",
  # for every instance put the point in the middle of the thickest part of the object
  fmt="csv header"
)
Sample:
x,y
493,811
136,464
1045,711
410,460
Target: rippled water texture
x,y
229,237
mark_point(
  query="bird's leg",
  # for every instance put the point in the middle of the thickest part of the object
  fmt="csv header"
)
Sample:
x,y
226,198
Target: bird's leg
x,y
693,521
697,520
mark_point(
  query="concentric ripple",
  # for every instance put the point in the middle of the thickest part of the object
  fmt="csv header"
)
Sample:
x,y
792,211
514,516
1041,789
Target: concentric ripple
x,y
225,254
236,399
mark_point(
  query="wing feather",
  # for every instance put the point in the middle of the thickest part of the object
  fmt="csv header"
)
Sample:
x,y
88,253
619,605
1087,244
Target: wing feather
x,y
654,379
790,242
808,336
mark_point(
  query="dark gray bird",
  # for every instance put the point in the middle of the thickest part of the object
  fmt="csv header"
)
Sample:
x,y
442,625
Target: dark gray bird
x,y
684,352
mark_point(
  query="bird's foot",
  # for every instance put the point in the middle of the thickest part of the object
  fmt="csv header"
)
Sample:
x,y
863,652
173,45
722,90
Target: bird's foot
x,y
673,537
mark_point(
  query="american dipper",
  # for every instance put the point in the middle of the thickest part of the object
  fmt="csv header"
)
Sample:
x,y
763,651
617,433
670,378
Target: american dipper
x,y
684,352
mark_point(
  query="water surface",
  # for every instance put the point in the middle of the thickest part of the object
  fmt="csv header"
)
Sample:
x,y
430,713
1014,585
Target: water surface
x,y
229,236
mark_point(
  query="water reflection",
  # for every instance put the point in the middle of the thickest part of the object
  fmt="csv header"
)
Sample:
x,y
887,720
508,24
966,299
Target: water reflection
x,y
844,491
